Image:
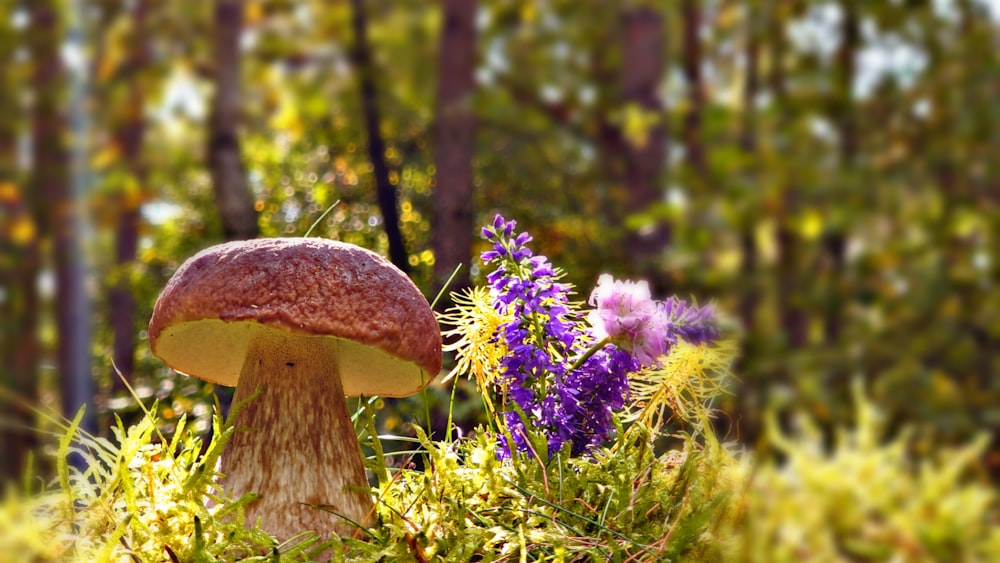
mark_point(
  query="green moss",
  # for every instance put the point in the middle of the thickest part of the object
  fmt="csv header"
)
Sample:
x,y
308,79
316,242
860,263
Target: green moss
x,y
869,497
140,498
145,498
625,504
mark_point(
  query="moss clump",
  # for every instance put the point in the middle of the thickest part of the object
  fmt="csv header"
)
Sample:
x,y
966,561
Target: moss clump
x,y
866,498
144,498
139,497
624,503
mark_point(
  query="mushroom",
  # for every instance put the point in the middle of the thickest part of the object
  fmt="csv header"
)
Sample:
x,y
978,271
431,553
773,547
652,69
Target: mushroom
x,y
310,321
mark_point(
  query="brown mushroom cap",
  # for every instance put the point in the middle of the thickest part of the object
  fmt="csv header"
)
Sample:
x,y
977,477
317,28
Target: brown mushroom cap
x,y
388,340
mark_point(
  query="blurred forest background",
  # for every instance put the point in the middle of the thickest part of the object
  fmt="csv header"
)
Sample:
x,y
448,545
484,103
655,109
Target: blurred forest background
x,y
826,171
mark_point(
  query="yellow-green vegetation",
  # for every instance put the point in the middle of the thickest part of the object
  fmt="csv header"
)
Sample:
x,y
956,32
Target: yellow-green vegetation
x,y
139,498
143,498
146,498
864,498
627,503
664,487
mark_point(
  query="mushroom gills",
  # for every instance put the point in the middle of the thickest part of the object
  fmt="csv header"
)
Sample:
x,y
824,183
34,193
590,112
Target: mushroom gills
x,y
213,349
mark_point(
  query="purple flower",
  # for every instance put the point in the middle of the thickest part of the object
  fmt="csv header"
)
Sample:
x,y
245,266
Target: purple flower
x,y
626,314
560,382
567,405
694,324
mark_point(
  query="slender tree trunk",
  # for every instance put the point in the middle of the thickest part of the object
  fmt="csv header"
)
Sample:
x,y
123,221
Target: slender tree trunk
x,y
605,68
18,278
791,310
122,300
794,319
232,193
129,136
694,150
10,121
385,192
750,296
642,72
19,268
20,342
59,212
753,395
453,221
835,239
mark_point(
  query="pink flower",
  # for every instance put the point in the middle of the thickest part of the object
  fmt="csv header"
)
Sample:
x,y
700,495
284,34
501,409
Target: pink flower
x,y
626,314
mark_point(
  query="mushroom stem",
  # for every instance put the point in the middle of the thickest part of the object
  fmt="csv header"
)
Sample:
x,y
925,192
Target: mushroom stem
x,y
295,444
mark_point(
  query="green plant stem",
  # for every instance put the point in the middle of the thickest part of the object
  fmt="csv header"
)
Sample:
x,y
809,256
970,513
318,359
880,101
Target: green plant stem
x,y
378,464
590,352
451,411
320,218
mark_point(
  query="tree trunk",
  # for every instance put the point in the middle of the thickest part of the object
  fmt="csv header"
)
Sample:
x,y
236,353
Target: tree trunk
x,y
384,190
60,214
750,296
694,151
642,72
20,344
129,137
794,319
18,277
19,313
835,239
453,221
232,193
791,311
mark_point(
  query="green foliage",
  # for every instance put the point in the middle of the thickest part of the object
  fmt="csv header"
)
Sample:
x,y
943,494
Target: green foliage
x,y
625,503
144,498
865,498
914,201
139,498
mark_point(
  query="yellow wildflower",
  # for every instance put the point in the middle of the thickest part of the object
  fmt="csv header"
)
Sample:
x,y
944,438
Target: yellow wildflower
x,y
685,381
474,323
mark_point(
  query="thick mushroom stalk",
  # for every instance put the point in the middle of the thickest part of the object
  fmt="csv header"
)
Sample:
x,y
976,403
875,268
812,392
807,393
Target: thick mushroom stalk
x,y
310,321
295,444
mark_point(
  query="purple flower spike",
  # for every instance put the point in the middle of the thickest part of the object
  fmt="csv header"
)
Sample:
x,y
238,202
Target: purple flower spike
x,y
570,406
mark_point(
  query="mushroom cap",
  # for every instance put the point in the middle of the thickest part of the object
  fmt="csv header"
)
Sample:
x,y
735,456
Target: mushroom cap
x,y
389,342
